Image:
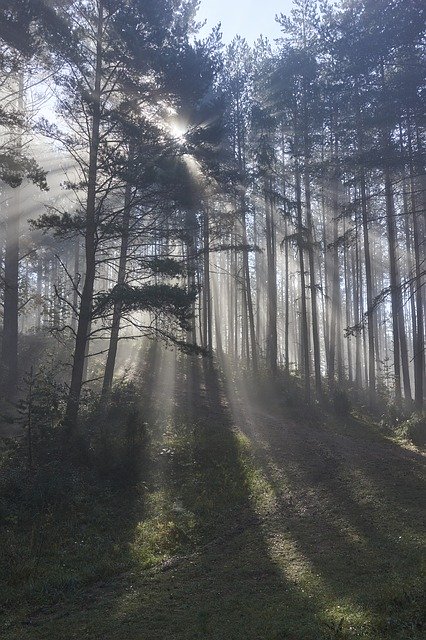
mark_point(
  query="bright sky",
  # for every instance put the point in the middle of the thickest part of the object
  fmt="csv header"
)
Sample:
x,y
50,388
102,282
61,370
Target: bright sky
x,y
248,18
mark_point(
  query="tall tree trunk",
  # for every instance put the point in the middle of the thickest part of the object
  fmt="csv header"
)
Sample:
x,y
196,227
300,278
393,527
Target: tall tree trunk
x,y
369,288
192,270
75,283
207,313
86,302
348,301
230,297
325,296
356,301
286,303
304,334
418,218
394,283
335,336
313,286
39,291
11,276
271,339
11,295
121,277
249,298
400,358
367,261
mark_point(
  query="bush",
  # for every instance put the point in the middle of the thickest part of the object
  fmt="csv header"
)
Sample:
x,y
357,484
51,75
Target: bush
x,y
37,470
116,436
341,403
414,429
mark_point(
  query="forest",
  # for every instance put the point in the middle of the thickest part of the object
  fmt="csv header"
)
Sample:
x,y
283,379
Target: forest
x,y
212,323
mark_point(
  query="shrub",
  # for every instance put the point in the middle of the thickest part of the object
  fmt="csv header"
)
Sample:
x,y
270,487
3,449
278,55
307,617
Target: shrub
x,y
341,403
414,429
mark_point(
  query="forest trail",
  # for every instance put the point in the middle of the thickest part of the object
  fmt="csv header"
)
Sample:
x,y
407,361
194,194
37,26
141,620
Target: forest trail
x,y
347,481
284,530
355,493
337,508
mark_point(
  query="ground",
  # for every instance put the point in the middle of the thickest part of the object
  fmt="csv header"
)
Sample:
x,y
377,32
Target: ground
x,y
246,525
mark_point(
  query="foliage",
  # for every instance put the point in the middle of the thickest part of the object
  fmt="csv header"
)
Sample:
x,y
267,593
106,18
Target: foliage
x,y
14,168
207,512
341,403
170,300
413,429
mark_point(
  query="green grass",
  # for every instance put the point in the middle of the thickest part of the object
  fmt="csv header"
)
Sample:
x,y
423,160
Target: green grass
x,y
227,538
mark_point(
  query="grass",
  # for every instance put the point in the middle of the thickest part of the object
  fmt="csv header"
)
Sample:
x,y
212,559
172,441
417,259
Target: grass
x,y
230,534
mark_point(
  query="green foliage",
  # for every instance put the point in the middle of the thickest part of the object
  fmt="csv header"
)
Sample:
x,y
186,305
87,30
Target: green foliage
x,y
117,437
165,266
171,301
341,403
34,472
204,514
15,168
62,225
31,27
413,429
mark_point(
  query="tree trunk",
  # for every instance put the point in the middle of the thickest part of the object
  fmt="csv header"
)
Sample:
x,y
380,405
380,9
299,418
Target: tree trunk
x,y
121,276
249,298
369,288
11,294
418,240
304,334
271,340
207,313
312,285
11,277
86,302
394,284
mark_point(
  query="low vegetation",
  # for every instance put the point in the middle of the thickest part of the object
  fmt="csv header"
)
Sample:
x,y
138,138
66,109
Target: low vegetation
x,y
213,523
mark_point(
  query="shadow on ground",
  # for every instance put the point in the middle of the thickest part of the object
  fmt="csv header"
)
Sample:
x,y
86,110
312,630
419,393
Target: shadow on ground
x,y
250,528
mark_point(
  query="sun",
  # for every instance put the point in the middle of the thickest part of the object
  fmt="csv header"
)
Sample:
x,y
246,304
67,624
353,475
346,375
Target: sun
x,y
178,131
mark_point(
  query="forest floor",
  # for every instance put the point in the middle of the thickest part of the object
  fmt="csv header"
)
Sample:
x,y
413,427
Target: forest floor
x,y
246,525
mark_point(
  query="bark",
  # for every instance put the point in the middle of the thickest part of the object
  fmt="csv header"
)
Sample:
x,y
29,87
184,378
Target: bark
x,y
248,292
348,301
86,302
11,295
356,303
418,218
369,288
75,284
11,278
313,287
311,259
271,338
304,333
287,305
121,277
394,284
207,313
39,291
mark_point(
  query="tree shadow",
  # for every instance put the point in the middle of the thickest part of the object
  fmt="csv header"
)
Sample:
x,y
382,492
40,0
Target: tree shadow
x,y
74,528
221,581
221,566
352,508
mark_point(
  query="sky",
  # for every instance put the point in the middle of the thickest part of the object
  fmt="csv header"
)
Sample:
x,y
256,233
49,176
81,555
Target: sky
x,y
248,18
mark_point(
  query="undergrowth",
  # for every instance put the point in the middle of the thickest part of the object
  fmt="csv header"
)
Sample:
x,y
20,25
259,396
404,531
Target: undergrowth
x,y
171,527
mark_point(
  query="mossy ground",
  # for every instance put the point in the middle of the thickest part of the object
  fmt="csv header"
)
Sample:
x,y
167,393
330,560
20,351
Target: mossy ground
x,y
243,526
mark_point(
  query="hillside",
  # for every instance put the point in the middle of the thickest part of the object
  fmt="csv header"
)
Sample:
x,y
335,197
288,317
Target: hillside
x,y
243,524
